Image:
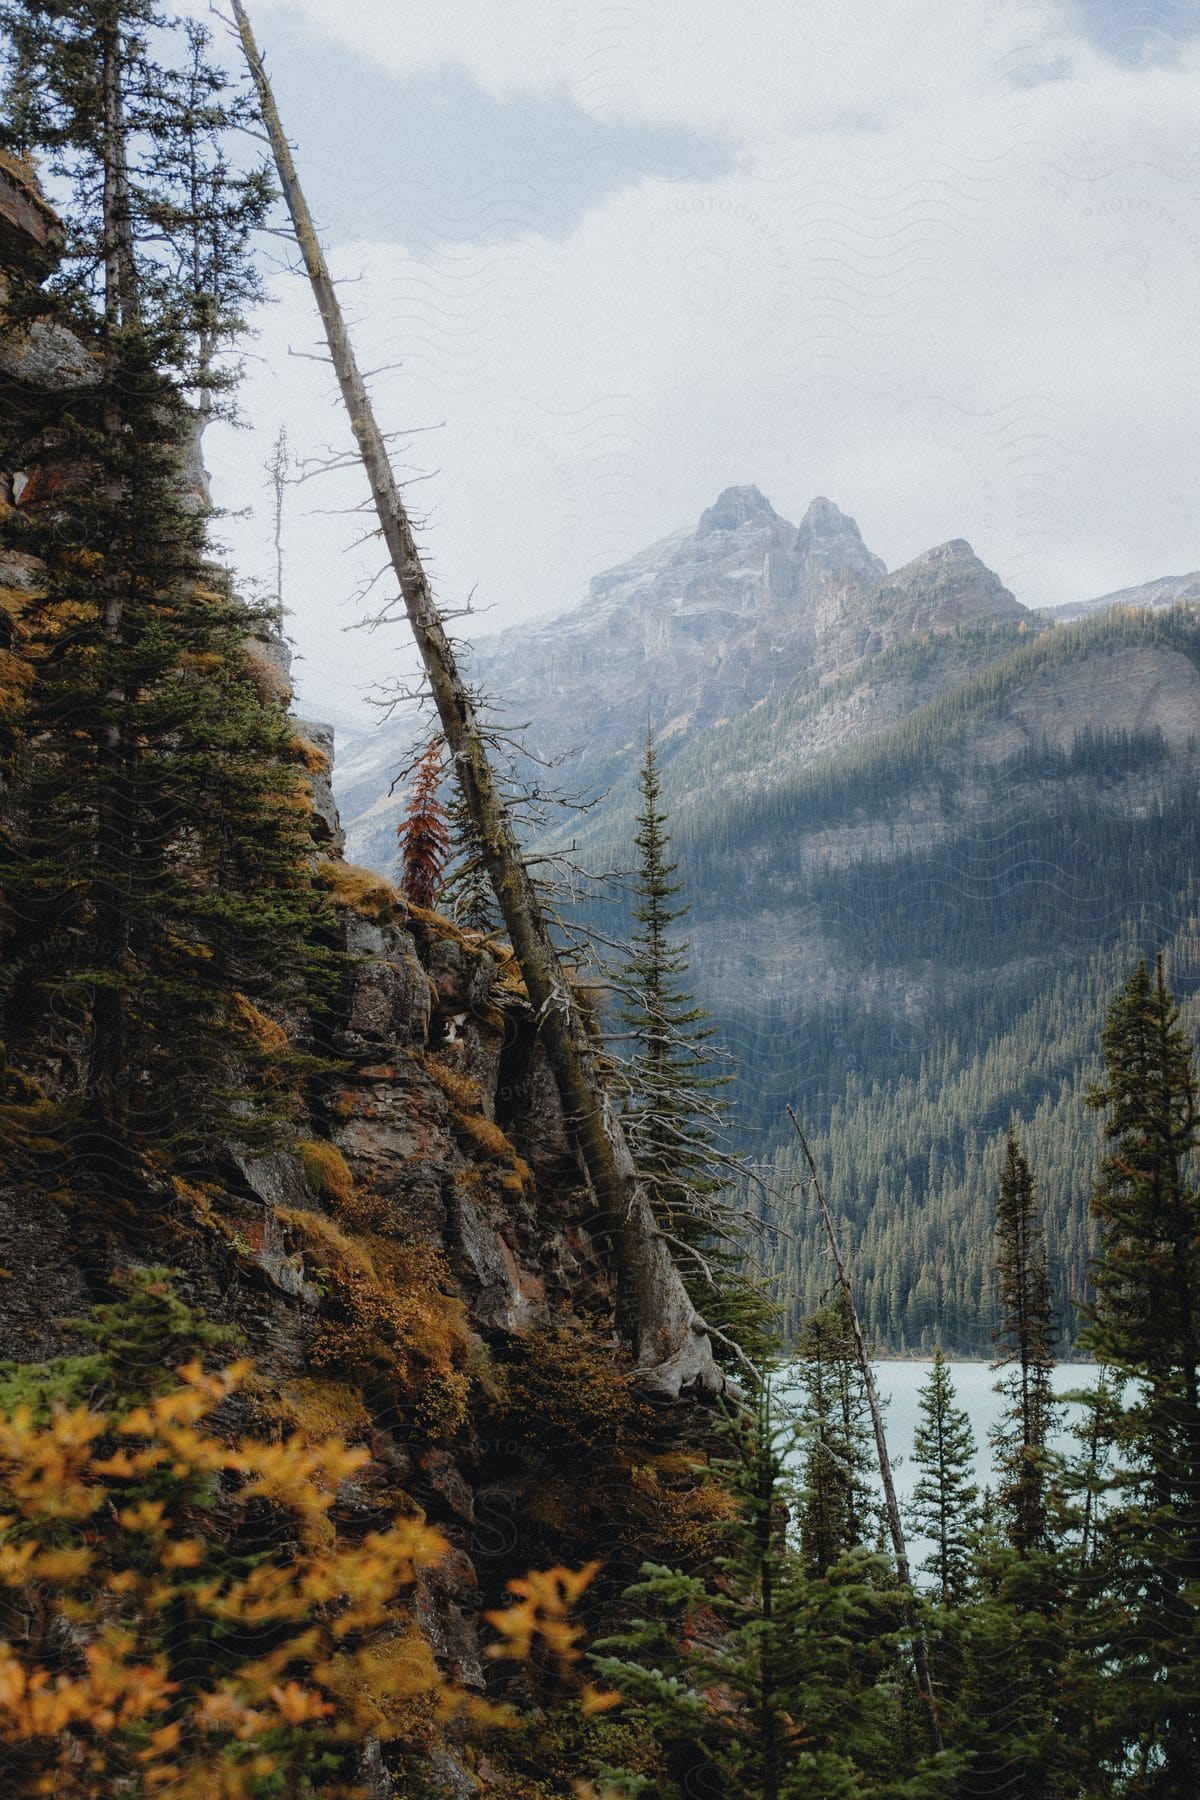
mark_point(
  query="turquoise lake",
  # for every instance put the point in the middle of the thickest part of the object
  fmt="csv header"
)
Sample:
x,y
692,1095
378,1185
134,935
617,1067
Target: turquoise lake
x,y
899,1385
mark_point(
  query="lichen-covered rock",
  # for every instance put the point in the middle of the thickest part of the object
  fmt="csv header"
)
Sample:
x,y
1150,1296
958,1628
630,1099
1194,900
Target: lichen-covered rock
x,y
320,737
45,352
277,1179
390,996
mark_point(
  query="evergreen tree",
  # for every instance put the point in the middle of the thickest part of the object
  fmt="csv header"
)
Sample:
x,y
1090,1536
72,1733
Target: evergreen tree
x,y
159,882
1015,1639
673,1111
1006,1712
944,1502
837,1509
1025,1337
424,834
1145,1325
670,1109
767,1681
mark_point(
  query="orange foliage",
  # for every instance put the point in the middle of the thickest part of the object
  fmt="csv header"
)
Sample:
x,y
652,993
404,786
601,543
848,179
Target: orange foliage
x,y
186,1669
147,1656
424,833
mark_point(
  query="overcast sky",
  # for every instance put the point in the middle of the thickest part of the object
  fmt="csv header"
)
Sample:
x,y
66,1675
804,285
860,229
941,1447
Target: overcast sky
x,y
937,259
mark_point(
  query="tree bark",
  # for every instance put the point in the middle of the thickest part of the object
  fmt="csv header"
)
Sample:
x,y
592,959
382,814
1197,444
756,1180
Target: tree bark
x,y
669,1339
891,1506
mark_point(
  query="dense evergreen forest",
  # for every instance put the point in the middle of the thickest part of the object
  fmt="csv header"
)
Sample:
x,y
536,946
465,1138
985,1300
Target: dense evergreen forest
x,y
980,909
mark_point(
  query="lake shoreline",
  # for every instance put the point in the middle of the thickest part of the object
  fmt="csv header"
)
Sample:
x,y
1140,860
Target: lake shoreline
x,y
985,1362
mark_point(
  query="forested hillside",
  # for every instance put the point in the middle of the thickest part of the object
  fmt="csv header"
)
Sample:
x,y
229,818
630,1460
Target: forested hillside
x,y
904,926
909,816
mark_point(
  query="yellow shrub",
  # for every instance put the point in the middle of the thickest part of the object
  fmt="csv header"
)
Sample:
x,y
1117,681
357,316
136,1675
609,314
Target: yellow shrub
x,y
473,1124
359,890
326,1168
14,600
686,1520
385,1319
268,1037
484,1134
563,1391
439,926
396,1685
309,754
321,1410
16,677
305,1667
298,1648
463,1090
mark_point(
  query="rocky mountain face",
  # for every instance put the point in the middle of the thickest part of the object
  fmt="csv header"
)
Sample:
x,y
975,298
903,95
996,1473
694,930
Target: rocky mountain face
x,y
415,1269
698,629
1168,590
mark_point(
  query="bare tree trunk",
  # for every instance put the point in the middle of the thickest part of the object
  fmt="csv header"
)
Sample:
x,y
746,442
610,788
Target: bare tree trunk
x,y
891,1506
670,1340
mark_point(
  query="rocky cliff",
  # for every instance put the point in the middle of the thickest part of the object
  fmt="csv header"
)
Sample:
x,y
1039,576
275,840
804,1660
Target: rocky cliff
x,y
413,1267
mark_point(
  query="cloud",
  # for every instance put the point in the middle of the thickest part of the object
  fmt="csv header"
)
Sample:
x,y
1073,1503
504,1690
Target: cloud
x,y
428,155
764,67
1138,33
967,305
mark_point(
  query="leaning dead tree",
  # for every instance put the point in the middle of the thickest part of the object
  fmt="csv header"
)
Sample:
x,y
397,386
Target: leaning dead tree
x,y
671,1342
890,1504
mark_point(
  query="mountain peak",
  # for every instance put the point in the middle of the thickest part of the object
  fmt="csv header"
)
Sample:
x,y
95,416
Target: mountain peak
x,y
824,519
734,507
945,586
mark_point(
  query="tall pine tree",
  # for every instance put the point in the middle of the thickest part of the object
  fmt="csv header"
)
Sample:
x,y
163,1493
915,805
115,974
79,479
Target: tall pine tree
x,y
1145,1325
944,1506
158,876
1025,1336
670,1110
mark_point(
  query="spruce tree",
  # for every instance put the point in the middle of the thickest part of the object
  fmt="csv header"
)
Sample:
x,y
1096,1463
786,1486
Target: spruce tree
x,y
671,1085
673,1112
1016,1640
671,1107
159,871
837,1511
944,1505
764,1680
1145,1325
1025,1336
